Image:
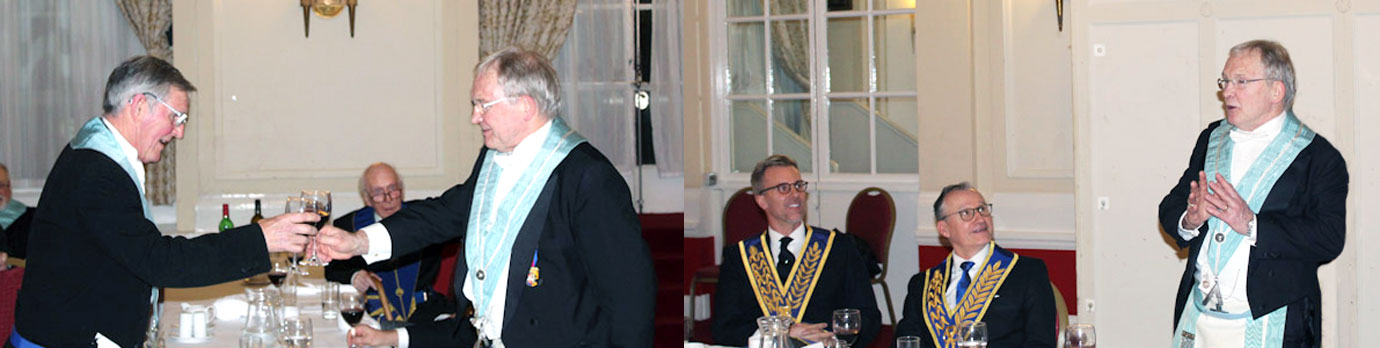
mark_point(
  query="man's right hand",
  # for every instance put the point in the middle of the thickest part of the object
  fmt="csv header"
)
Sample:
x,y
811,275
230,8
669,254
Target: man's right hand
x,y
288,232
337,244
365,336
1196,213
810,332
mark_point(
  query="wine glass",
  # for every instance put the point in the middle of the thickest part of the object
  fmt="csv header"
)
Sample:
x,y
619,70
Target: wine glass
x,y
847,322
352,310
1080,336
318,201
296,205
279,272
972,334
296,333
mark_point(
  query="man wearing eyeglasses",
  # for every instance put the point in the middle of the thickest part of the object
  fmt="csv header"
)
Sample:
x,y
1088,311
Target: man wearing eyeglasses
x,y
792,269
979,282
1260,207
407,280
96,259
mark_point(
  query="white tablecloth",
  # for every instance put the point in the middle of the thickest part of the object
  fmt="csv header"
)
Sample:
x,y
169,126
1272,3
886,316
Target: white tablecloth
x,y
325,333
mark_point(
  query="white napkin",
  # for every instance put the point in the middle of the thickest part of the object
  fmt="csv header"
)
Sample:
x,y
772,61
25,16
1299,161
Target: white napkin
x,y
307,289
231,308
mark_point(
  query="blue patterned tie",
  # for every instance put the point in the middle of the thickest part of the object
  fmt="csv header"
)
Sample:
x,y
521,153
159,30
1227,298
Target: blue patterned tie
x,y
963,282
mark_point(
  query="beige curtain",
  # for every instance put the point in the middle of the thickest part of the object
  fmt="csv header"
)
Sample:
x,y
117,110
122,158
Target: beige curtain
x,y
791,41
150,20
537,25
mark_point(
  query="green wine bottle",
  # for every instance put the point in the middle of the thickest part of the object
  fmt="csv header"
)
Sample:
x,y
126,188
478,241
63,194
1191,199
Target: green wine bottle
x,y
225,222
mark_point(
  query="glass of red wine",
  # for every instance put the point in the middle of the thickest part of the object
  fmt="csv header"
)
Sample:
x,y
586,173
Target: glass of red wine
x,y
351,309
279,272
318,201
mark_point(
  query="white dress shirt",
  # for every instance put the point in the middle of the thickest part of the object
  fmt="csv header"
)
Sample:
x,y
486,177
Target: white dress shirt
x,y
1246,148
513,165
131,156
956,270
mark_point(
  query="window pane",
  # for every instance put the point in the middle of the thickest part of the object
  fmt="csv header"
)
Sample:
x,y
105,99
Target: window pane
x,y
850,141
848,70
847,5
749,134
743,8
790,43
895,53
791,132
746,66
785,7
897,127
893,4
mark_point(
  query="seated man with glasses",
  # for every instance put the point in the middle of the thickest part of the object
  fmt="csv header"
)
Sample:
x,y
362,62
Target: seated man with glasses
x,y
791,269
407,281
978,282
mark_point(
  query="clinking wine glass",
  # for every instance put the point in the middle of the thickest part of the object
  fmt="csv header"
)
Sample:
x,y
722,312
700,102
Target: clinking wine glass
x,y
847,323
296,205
1080,336
318,201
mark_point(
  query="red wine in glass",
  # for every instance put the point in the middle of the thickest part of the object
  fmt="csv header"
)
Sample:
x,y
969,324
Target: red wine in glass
x,y
277,277
352,315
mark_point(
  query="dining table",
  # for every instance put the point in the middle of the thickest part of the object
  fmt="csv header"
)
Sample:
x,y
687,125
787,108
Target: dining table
x,y
229,323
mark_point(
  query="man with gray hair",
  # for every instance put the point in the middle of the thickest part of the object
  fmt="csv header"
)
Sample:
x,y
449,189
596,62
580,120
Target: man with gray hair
x,y
15,218
764,275
979,282
1260,207
96,259
553,254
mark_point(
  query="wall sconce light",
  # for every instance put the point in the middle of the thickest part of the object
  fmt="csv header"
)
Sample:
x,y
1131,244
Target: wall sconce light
x,y
1058,11
326,9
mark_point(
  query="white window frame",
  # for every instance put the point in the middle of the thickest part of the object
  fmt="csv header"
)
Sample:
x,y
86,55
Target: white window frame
x,y
721,118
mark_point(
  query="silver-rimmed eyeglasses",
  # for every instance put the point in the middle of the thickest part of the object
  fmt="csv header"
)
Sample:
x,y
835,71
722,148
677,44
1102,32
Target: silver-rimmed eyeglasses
x,y
785,187
968,214
179,118
484,107
1222,83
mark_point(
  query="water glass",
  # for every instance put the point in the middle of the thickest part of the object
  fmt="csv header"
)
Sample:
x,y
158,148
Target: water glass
x,y
908,342
972,334
1080,336
330,300
252,341
296,333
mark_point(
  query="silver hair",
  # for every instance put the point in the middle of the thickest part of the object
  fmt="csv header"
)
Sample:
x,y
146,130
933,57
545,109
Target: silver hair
x,y
1278,66
138,75
939,202
523,72
767,163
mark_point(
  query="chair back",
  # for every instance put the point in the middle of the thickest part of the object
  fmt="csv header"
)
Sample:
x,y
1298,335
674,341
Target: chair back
x,y
10,282
1061,311
872,217
742,217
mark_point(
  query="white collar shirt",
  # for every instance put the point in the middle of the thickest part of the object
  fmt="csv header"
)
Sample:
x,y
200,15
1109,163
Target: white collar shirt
x,y
956,269
131,155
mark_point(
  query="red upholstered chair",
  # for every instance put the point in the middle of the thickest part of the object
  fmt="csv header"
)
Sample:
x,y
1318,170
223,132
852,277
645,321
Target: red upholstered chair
x,y
872,217
10,281
741,219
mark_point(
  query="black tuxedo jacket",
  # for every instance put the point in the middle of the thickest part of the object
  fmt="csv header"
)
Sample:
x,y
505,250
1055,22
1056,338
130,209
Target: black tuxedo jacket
x,y
94,258
843,283
1020,315
341,271
16,237
597,285
1301,225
